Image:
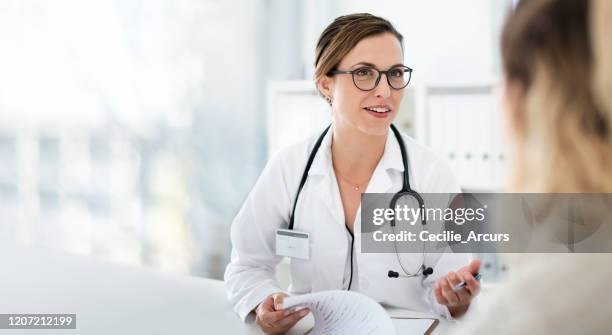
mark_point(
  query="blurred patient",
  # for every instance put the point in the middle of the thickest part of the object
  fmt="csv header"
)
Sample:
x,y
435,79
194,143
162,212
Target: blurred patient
x,y
557,59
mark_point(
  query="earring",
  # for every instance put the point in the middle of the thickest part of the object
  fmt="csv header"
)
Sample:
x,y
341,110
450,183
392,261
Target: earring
x,y
329,100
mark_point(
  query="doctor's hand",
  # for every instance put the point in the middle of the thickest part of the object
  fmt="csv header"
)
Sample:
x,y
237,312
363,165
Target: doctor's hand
x,y
274,320
458,302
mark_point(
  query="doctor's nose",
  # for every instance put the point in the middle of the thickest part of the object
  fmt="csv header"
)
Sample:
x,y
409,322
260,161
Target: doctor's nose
x,y
382,90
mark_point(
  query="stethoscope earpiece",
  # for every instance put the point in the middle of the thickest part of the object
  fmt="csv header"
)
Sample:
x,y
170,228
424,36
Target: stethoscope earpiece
x,y
393,274
426,272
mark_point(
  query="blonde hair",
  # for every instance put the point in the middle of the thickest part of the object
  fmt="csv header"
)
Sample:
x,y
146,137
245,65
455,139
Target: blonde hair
x,y
601,30
558,52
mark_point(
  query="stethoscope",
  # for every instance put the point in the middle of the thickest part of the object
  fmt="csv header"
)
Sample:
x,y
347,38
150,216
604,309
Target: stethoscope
x,y
406,191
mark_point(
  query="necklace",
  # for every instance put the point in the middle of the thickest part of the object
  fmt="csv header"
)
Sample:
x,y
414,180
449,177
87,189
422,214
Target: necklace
x,y
355,186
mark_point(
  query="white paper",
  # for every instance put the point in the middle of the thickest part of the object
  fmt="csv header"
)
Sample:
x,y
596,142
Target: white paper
x,y
412,326
343,312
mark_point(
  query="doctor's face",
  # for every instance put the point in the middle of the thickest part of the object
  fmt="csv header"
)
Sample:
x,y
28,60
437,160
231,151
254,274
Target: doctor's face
x,y
370,112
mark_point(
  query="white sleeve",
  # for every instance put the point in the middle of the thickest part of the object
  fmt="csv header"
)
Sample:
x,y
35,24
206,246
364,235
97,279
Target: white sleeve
x,y
251,274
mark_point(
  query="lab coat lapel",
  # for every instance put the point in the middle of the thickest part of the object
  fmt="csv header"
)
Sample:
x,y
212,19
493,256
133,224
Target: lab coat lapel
x,y
391,161
380,182
324,179
385,179
331,198
330,229
326,186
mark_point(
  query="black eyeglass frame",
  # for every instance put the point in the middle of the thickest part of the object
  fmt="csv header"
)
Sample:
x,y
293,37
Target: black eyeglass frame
x,y
380,73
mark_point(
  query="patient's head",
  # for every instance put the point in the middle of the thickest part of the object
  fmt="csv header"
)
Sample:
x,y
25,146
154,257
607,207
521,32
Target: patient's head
x,y
557,61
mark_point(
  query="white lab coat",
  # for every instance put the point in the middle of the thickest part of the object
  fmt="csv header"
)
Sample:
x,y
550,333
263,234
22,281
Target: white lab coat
x,y
250,276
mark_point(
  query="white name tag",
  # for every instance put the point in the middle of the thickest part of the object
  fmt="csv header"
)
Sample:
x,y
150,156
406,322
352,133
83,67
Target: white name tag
x,y
291,243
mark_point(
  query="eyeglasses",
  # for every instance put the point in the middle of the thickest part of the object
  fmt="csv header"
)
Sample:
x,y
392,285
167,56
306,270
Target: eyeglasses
x,y
366,78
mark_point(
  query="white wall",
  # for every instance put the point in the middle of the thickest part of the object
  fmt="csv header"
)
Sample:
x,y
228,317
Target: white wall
x,y
446,42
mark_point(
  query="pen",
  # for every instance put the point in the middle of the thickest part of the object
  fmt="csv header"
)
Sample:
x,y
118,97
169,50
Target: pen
x,y
463,284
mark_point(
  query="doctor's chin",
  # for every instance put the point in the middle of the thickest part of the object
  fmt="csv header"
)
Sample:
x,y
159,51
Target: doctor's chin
x,y
306,167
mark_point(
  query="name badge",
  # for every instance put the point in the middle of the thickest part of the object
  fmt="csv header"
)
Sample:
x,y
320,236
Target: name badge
x,y
291,243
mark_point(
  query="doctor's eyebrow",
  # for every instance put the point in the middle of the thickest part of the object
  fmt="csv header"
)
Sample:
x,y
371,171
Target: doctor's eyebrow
x,y
374,66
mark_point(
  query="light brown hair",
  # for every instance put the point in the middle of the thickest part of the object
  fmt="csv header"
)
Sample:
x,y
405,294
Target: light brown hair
x,y
342,35
553,50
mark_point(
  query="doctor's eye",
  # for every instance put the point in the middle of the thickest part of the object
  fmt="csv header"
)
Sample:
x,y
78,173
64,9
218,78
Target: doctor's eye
x,y
364,72
396,72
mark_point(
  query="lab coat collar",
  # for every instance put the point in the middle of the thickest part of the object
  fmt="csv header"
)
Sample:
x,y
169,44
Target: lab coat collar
x,y
392,157
322,164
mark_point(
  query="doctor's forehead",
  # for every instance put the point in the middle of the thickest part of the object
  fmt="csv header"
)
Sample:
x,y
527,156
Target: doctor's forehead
x,y
383,51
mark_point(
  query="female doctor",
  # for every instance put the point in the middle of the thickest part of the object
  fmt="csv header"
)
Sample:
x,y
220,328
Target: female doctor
x,y
359,70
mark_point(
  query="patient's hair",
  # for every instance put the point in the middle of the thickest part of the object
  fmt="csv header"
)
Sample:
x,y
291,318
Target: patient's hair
x,y
560,55
342,35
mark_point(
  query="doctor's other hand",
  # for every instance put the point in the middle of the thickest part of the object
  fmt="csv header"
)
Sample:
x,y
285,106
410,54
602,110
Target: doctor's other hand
x,y
274,320
458,302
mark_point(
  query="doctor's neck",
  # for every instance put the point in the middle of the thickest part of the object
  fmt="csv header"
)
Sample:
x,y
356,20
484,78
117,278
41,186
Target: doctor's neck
x,y
356,154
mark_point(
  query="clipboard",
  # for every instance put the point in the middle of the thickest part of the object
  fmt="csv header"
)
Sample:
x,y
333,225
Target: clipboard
x,y
420,328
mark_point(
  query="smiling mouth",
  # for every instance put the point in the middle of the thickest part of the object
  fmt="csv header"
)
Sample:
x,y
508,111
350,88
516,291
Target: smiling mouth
x,y
380,110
